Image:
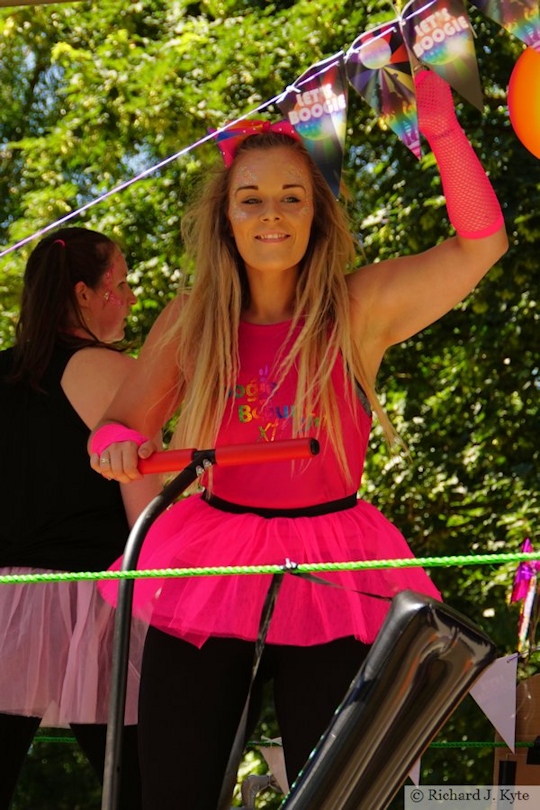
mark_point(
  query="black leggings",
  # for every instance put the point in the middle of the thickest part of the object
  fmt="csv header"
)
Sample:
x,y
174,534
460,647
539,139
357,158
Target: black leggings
x,y
17,733
191,700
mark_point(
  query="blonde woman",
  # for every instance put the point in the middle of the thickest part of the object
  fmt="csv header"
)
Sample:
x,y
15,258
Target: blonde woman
x,y
276,340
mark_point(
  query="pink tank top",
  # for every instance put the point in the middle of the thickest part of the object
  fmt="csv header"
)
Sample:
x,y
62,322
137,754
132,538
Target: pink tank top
x,y
261,413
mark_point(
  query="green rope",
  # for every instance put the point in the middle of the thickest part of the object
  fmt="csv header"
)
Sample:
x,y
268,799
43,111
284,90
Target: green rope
x,y
363,565
455,744
47,737
471,744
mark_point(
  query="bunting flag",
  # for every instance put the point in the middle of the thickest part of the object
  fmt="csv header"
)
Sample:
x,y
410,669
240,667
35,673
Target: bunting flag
x,y
379,68
415,772
275,759
439,35
525,591
521,18
316,106
495,693
435,33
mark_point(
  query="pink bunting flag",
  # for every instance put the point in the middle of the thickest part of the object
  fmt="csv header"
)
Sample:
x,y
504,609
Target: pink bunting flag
x,y
524,590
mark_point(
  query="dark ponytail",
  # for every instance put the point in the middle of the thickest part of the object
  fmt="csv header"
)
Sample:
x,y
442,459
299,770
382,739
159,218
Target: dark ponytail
x,y
49,306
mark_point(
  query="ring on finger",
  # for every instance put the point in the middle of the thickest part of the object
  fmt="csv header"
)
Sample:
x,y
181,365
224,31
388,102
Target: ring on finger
x,y
105,460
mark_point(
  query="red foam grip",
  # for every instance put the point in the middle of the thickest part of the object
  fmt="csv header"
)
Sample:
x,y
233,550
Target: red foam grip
x,y
232,455
166,461
285,450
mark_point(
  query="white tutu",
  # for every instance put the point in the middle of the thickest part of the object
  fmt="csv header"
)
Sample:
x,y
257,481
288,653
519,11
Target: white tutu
x,y
56,652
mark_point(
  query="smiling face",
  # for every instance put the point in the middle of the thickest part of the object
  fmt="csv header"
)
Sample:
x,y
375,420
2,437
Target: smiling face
x,y
271,209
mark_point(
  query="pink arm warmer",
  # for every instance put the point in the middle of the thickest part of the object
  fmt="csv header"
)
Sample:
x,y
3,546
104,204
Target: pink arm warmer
x,y
473,208
108,434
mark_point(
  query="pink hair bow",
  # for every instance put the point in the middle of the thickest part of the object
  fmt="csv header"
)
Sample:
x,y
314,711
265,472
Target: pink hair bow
x,y
230,139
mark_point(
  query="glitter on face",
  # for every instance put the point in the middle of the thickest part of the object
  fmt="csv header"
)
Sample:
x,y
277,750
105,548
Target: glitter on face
x,y
109,296
270,208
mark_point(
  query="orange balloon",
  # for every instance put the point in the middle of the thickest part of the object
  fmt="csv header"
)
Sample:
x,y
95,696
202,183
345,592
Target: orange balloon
x,y
524,100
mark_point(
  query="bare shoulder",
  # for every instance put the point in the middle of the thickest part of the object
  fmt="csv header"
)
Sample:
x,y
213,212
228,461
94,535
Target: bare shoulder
x,y
99,360
92,378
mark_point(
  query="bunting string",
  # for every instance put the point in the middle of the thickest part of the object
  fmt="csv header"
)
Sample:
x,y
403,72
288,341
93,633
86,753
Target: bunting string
x,y
380,66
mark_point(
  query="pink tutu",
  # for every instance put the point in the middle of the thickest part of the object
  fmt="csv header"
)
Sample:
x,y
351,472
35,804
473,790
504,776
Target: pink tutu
x,y
56,652
193,533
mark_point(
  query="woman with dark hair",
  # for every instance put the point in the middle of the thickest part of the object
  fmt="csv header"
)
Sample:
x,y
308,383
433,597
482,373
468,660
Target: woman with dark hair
x,y
56,381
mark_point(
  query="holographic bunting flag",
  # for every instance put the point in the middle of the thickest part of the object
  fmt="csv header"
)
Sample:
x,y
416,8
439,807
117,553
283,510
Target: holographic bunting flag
x,y
439,34
521,18
316,106
379,69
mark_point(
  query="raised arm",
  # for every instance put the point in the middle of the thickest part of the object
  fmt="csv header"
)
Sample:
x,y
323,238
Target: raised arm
x,y
395,299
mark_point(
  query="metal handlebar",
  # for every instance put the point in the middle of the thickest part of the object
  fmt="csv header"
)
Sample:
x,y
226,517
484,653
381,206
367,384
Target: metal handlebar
x,y
192,463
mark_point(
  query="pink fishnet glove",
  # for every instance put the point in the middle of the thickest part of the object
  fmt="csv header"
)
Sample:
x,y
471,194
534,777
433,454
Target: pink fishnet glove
x,y
473,208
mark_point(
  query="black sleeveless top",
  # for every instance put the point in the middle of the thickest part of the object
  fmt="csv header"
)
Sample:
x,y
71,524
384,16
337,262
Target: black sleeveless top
x,y
56,512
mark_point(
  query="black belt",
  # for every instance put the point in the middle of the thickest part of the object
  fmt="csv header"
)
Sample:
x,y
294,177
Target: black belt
x,y
267,512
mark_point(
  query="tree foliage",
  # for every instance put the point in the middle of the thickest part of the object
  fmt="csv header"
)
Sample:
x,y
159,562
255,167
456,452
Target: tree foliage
x,y
56,776
91,95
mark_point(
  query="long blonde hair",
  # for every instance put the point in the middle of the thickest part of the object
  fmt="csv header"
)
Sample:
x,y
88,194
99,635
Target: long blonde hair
x,y
207,330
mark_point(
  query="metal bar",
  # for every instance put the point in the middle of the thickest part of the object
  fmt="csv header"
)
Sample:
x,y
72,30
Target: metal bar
x,y
420,667
122,630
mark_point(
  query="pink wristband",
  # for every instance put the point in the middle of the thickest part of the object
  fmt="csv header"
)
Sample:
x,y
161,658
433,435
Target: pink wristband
x,y
108,434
